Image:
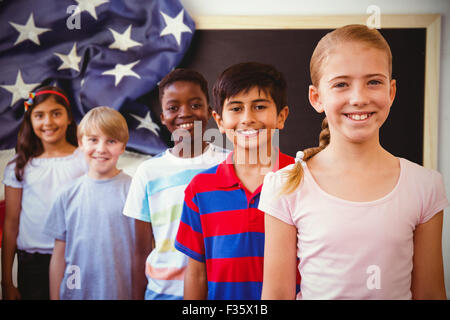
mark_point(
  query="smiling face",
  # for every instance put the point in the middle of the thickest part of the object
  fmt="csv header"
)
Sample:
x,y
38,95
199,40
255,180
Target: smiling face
x,y
249,118
50,121
355,92
102,153
184,102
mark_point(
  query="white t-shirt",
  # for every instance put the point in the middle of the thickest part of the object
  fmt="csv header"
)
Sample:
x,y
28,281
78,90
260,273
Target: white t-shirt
x,y
157,196
42,180
356,250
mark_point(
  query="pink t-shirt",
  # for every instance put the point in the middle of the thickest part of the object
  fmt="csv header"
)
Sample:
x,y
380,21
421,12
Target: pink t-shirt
x,y
356,250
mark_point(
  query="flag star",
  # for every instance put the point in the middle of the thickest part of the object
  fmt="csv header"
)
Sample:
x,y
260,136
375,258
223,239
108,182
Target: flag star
x,y
146,123
20,89
123,41
71,60
174,26
28,31
122,70
89,6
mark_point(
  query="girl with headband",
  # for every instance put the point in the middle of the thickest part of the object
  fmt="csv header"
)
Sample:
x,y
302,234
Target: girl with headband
x,y
46,159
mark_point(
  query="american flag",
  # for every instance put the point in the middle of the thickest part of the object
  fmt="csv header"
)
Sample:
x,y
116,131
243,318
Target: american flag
x,y
101,52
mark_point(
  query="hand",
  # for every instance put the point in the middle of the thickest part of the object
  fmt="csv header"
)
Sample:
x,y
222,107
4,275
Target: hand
x,y
10,292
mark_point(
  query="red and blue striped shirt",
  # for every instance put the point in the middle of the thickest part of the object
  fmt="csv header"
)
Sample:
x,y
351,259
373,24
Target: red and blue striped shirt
x,y
222,227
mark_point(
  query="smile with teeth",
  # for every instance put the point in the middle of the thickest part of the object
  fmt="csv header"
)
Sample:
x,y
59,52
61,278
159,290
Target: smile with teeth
x,y
49,131
358,116
247,132
186,125
100,158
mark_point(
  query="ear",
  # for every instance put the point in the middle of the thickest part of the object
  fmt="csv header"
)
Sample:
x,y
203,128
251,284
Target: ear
x,y
392,91
219,121
314,98
69,117
210,111
282,116
123,149
161,117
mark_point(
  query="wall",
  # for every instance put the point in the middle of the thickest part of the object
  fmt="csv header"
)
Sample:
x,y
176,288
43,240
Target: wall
x,y
324,7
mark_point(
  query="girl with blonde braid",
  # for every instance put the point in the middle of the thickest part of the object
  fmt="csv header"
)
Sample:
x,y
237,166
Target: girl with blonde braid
x,y
364,223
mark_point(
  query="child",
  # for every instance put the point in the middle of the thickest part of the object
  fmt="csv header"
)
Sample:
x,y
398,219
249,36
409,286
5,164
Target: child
x,y
157,190
364,223
221,229
46,159
93,240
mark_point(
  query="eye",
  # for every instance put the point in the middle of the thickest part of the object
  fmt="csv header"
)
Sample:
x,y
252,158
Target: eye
x,y
92,139
112,141
235,108
375,82
340,85
260,107
196,106
172,108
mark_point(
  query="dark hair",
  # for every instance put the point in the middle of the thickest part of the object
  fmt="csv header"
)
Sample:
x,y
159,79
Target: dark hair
x,y
181,74
247,75
28,144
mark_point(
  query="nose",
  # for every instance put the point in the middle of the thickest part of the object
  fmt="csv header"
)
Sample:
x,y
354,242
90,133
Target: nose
x,y
359,96
101,146
185,111
48,119
248,116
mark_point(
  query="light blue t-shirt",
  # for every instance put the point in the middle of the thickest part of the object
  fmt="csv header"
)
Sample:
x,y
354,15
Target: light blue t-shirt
x,y
99,238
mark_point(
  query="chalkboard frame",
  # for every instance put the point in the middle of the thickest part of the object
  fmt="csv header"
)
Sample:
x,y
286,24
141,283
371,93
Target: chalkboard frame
x,y
431,22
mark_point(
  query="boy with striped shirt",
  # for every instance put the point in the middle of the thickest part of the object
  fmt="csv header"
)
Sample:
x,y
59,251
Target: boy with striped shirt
x,y
156,193
221,228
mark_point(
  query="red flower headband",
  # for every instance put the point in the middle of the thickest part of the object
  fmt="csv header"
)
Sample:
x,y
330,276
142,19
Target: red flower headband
x,y
32,95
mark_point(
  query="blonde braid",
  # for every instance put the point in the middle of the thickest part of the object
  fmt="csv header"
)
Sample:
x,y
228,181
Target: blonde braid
x,y
295,175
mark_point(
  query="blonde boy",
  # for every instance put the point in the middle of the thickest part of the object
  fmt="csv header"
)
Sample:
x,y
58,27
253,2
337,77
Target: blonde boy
x,y
93,240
